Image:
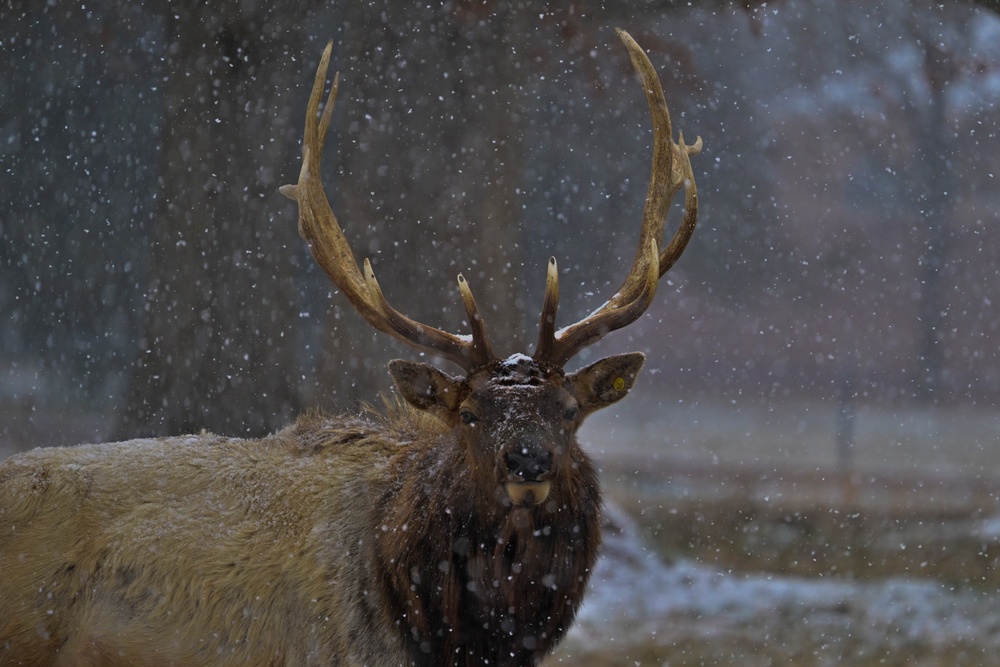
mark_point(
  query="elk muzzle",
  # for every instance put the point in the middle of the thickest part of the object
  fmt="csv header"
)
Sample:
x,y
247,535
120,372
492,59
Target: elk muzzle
x,y
527,465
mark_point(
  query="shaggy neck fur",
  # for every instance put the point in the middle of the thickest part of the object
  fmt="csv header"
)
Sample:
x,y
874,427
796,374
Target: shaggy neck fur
x,y
473,581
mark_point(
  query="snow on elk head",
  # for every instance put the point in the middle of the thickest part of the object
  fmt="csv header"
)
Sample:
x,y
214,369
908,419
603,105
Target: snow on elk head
x,y
518,418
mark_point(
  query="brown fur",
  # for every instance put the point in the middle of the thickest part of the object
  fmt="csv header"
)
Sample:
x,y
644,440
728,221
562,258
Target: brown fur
x,y
337,541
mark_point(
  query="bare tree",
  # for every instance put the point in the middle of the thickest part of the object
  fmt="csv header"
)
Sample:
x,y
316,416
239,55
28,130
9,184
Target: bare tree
x,y
217,350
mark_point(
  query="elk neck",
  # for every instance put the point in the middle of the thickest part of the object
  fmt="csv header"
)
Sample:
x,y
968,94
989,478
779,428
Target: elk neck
x,y
450,554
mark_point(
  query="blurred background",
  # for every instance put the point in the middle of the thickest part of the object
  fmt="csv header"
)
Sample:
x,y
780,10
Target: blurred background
x,y
807,471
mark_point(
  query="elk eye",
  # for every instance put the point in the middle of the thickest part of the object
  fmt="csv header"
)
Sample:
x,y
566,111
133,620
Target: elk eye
x,y
468,417
571,414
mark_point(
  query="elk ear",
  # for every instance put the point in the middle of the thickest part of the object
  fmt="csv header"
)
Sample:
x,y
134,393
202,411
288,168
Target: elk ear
x,y
606,381
425,387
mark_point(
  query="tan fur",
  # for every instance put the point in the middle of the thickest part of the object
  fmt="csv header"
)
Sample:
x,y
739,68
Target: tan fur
x,y
197,550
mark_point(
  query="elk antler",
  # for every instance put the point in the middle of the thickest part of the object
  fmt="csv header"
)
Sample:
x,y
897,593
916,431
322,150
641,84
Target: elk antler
x,y
671,170
319,227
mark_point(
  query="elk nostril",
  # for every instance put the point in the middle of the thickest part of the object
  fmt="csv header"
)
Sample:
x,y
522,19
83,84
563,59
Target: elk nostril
x,y
528,464
514,462
544,462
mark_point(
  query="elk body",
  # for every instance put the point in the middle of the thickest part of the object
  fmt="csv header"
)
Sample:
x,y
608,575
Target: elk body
x,y
458,529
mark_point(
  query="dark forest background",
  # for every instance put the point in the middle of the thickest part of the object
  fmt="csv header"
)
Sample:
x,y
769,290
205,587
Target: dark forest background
x,y
152,280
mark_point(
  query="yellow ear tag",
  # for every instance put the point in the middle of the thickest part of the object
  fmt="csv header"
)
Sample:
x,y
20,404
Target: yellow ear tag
x,y
619,384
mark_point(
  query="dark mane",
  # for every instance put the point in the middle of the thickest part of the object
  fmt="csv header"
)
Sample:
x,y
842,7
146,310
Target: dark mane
x,y
497,587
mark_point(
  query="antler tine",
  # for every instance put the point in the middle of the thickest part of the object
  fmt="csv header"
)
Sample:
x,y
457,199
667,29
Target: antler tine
x,y
670,171
680,240
547,324
481,347
329,247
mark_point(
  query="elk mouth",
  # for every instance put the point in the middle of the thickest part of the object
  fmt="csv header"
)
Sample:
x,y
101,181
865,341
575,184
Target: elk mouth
x,y
527,465
525,494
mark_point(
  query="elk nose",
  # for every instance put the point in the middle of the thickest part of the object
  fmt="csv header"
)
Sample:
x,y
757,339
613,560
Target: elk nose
x,y
528,463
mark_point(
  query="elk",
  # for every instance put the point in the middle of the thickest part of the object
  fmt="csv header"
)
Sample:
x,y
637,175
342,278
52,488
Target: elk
x,y
458,528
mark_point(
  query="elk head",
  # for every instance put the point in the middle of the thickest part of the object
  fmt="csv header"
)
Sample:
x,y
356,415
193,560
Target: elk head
x,y
516,417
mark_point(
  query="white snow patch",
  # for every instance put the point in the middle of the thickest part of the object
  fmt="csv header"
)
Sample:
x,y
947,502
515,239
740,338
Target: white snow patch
x,y
633,593
517,359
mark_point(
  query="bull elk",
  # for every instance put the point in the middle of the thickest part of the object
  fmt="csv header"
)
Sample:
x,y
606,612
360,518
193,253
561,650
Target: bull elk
x,y
459,528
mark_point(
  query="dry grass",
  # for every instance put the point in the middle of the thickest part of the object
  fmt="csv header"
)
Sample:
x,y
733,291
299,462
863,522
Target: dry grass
x,y
748,530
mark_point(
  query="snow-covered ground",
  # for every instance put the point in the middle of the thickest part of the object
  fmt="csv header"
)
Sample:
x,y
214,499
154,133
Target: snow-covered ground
x,y
637,600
